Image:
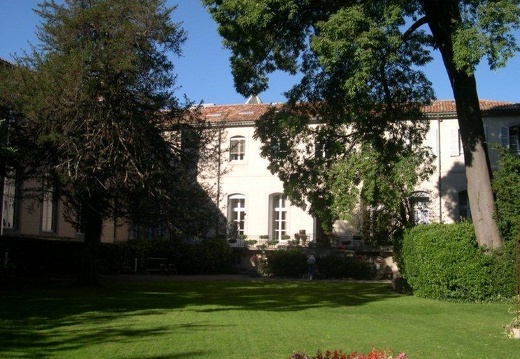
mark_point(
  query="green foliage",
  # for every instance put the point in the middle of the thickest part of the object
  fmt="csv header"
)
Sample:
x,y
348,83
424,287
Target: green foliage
x,y
384,189
339,266
8,154
506,185
444,261
287,263
293,263
362,82
96,96
39,257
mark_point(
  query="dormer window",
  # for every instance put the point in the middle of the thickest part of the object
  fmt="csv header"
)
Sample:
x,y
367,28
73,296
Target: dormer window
x,y
237,148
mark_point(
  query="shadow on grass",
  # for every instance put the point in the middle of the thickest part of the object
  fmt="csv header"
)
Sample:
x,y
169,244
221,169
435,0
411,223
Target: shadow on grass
x,y
38,322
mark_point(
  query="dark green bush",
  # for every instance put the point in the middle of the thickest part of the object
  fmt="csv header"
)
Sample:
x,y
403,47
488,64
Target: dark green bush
x,y
444,261
293,263
338,266
118,258
287,263
33,256
506,185
204,256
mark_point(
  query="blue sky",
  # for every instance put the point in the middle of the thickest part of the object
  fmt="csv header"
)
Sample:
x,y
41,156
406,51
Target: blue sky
x,y
204,72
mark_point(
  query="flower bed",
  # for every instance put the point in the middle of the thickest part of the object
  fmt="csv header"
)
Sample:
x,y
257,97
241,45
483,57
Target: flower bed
x,y
338,354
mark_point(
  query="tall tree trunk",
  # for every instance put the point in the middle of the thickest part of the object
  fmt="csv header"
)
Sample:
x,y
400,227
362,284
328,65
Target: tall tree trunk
x,y
92,239
442,17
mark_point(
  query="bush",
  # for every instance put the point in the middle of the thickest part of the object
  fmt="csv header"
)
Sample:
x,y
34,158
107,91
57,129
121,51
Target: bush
x,y
287,263
33,256
336,266
444,261
293,263
506,185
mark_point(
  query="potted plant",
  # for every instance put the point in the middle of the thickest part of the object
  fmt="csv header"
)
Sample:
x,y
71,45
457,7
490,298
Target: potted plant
x,y
272,242
251,242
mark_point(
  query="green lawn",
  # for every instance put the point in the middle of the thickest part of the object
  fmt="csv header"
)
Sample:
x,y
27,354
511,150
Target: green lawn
x,y
243,319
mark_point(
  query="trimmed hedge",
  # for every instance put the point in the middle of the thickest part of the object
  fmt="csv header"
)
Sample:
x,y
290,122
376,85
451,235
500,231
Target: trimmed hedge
x,y
293,263
338,266
444,261
32,256
287,263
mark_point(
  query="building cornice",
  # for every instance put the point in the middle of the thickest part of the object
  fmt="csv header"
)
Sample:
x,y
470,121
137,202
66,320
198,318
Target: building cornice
x,y
246,114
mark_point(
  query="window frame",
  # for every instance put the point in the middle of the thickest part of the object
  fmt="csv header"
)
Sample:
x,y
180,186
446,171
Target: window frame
x,y
237,149
237,212
278,216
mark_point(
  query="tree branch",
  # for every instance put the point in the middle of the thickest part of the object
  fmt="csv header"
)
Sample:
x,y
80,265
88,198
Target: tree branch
x,y
414,27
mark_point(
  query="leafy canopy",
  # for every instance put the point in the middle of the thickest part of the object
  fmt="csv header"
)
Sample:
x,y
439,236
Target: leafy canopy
x,y
361,83
96,95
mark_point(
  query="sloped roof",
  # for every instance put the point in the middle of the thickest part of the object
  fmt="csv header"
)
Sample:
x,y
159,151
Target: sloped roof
x,y
234,113
446,107
251,112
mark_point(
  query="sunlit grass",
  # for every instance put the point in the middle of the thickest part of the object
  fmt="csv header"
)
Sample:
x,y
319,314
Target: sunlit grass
x,y
248,319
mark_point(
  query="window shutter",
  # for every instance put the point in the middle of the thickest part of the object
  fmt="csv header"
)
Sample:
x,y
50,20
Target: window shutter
x,y
454,143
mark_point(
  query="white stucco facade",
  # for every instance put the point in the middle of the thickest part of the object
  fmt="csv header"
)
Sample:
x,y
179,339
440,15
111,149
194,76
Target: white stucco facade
x,y
248,179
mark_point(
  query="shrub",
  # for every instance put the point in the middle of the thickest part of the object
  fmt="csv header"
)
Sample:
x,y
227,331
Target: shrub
x,y
337,266
400,285
33,256
204,256
506,185
444,261
287,263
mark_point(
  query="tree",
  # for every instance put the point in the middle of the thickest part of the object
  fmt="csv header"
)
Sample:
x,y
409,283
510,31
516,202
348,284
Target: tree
x,y
101,128
341,175
362,58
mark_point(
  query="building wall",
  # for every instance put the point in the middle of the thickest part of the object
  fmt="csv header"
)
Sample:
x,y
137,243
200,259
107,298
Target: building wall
x,y
250,178
30,218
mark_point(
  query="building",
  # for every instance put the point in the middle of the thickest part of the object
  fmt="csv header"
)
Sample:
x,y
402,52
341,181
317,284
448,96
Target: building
x,y
252,199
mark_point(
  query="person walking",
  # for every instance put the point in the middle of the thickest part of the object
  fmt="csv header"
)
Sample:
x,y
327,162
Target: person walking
x,y
311,266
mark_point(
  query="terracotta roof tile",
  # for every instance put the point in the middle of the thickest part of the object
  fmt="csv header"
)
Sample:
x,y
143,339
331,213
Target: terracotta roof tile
x,y
448,106
234,113
251,112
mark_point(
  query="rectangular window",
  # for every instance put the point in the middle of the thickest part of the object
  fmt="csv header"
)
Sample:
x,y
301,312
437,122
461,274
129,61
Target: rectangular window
x,y
278,216
455,143
11,204
49,212
237,150
237,213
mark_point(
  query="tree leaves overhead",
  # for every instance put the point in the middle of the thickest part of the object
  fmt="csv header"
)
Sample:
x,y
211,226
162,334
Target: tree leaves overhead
x,y
97,100
361,80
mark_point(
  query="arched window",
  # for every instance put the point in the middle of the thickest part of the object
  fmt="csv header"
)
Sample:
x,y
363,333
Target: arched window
x,y
237,212
278,215
237,148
